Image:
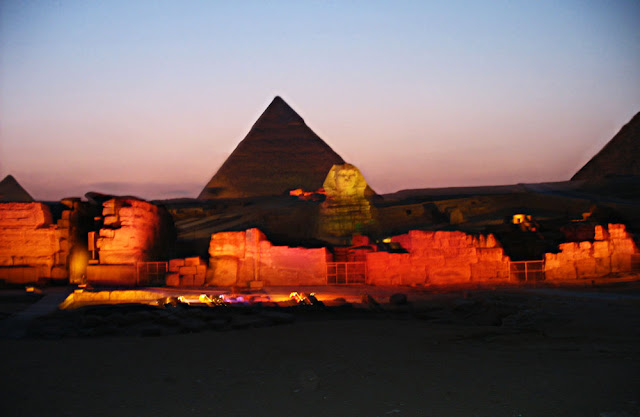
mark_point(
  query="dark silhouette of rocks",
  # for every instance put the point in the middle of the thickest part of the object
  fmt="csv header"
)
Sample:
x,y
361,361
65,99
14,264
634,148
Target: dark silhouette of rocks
x,y
280,153
619,157
12,191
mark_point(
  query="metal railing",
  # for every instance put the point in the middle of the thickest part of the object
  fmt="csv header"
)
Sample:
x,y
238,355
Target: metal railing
x,y
346,273
526,271
151,273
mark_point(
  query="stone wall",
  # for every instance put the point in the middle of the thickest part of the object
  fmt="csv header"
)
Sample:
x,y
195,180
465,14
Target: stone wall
x,y
439,258
610,252
236,258
30,245
188,272
133,231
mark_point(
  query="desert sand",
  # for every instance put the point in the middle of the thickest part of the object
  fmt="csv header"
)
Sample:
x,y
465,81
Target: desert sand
x,y
507,352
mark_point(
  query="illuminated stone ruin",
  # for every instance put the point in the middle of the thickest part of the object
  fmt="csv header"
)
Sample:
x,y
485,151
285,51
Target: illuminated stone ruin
x,y
133,231
439,258
32,247
610,252
347,209
187,272
240,258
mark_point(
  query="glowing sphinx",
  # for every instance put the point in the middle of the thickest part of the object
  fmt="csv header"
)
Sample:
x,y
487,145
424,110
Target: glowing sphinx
x,y
347,209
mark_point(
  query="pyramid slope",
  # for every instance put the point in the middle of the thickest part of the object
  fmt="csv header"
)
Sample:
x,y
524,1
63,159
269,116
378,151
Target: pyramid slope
x,y
621,156
280,153
12,191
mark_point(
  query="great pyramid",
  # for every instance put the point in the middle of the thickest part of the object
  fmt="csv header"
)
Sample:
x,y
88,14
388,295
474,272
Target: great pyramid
x,y
11,191
619,157
280,153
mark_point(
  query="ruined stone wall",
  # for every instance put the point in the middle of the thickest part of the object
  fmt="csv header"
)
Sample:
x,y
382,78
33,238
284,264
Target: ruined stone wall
x,y
188,272
610,252
240,257
31,246
133,231
439,258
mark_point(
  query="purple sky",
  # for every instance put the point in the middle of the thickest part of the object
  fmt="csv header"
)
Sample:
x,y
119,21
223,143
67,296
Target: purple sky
x,y
149,98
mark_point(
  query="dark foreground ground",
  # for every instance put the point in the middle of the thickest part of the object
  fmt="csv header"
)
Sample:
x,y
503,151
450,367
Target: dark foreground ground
x,y
530,352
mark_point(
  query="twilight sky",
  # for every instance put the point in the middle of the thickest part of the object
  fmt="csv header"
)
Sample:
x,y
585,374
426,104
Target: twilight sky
x,y
149,97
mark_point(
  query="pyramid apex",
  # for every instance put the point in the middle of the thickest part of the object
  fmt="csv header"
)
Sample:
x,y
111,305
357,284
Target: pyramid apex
x,y
12,191
280,153
278,112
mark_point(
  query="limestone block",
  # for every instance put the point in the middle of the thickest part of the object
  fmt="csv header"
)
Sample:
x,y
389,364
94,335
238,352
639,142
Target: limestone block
x,y
620,262
110,220
59,273
452,274
19,274
603,266
617,231
117,275
490,254
601,233
120,257
489,271
193,261
109,207
225,271
227,244
175,264
201,270
626,246
568,248
586,268
198,280
601,249
551,261
491,241
172,279
107,233
585,246
188,270
566,271
187,280
24,215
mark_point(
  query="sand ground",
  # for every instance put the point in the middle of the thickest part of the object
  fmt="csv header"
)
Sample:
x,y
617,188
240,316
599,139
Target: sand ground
x,y
509,353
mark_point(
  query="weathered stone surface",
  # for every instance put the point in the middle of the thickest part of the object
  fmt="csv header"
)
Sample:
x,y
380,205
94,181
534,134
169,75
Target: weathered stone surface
x,y
279,154
256,259
117,275
610,252
137,231
24,215
346,210
227,244
439,258
175,264
28,239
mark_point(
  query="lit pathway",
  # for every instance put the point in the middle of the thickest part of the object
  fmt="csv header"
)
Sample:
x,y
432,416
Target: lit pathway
x,y
15,327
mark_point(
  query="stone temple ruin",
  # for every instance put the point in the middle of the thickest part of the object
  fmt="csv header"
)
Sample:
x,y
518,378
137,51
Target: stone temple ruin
x,y
286,210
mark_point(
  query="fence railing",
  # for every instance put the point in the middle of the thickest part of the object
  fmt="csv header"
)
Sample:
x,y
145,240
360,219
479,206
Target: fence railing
x,y
346,272
526,271
151,273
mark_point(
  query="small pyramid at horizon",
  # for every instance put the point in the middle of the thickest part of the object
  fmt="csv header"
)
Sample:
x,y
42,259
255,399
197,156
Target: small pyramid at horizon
x,y
12,191
279,154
